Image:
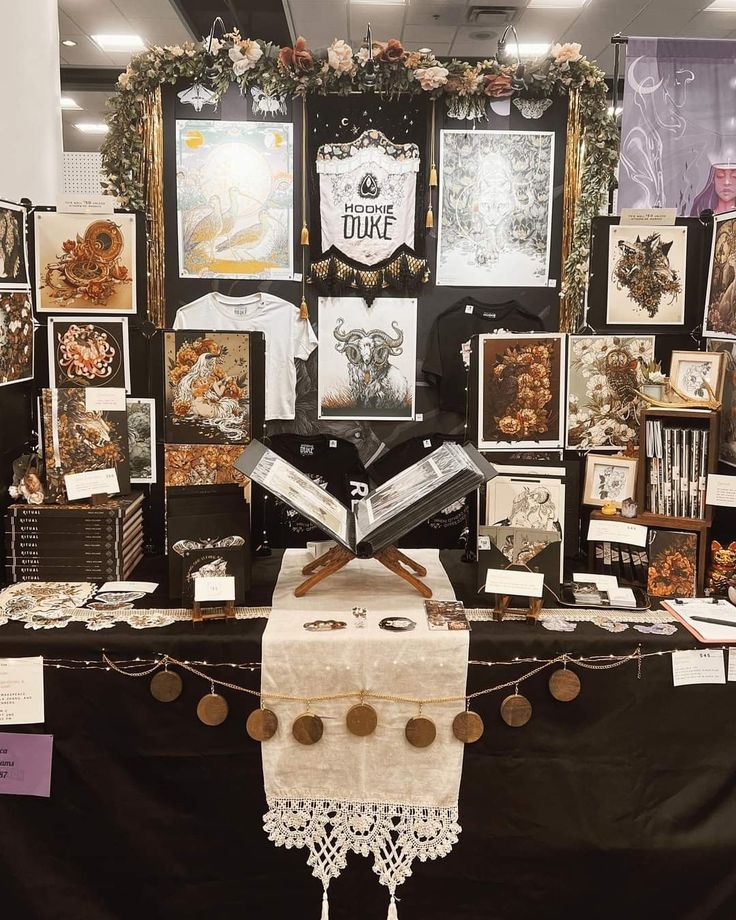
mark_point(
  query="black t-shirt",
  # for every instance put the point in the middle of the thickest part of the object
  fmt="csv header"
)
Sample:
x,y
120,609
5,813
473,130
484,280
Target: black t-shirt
x,y
332,463
448,350
446,529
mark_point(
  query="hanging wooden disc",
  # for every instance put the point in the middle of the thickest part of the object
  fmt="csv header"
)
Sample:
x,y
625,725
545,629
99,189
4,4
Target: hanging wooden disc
x,y
564,685
166,686
307,728
420,731
516,710
212,709
361,719
262,724
467,726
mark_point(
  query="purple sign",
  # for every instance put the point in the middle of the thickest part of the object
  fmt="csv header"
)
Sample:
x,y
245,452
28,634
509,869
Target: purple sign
x,y
25,764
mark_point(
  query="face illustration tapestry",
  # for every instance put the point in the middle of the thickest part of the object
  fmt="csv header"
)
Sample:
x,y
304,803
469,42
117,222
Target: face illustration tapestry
x,y
604,372
367,358
495,208
678,144
720,298
727,449
520,392
88,351
16,337
234,194
13,252
646,275
207,383
85,264
367,193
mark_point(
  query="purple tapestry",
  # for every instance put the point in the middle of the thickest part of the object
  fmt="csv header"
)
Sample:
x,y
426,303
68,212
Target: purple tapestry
x,y
678,137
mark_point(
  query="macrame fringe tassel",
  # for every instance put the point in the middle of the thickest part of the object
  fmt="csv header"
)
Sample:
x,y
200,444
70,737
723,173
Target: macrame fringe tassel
x,y
305,235
325,907
429,222
303,310
433,176
392,913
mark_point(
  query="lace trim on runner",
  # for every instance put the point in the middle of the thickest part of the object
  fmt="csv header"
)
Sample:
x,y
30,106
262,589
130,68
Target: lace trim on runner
x,y
393,835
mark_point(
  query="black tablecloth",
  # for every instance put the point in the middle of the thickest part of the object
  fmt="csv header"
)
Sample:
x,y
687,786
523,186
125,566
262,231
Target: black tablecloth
x,y
621,803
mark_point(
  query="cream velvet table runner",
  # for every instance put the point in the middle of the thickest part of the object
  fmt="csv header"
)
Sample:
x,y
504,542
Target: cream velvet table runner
x,y
377,796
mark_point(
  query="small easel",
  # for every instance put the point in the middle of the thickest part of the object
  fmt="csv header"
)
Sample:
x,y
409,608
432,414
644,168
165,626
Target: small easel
x,y
202,613
500,608
338,557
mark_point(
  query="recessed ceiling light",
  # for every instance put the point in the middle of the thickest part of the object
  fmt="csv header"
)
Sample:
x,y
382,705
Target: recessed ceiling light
x,y
721,6
557,4
69,104
119,42
92,127
70,43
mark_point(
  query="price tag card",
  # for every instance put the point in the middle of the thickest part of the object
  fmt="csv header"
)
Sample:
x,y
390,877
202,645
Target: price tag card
x,y
25,764
617,532
721,491
699,666
513,581
732,664
214,588
145,587
86,204
21,691
653,217
84,485
105,399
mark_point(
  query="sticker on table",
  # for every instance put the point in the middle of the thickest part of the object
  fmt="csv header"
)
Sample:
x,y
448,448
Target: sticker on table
x,y
25,764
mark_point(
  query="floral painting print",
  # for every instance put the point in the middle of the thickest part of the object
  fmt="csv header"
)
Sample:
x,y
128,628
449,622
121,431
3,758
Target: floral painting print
x,y
88,352
672,564
16,337
604,373
495,208
201,464
13,262
207,387
520,393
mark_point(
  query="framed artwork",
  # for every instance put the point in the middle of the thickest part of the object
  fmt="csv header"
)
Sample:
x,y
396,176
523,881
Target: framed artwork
x,y
89,351
202,464
603,374
80,440
520,391
646,275
608,479
16,337
207,387
234,199
673,563
495,208
367,358
142,439
720,297
85,263
727,447
690,370
13,246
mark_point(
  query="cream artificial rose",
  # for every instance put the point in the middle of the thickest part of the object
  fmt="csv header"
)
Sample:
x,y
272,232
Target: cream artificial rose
x,y
570,51
340,56
124,79
431,77
245,55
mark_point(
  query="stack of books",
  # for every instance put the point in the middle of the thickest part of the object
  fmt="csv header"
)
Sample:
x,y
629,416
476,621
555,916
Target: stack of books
x,y
677,469
79,542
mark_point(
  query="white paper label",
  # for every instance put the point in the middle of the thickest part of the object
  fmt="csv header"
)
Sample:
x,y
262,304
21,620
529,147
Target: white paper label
x,y
512,581
84,485
426,443
104,399
86,204
732,664
721,491
419,417
468,307
333,443
21,691
699,666
617,532
145,587
484,542
215,588
605,582
657,217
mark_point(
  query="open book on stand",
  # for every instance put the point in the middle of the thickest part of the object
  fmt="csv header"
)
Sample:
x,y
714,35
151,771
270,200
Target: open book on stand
x,y
377,521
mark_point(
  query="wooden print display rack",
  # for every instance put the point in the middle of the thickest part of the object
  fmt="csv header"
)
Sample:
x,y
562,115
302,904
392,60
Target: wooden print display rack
x,y
338,557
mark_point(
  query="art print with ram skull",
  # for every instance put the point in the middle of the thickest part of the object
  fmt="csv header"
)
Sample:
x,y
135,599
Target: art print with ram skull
x,y
367,358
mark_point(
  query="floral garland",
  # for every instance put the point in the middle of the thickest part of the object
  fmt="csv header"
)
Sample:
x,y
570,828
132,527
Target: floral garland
x,y
300,71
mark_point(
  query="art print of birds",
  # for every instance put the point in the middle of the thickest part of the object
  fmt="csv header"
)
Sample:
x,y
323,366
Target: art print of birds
x,y
247,238
207,229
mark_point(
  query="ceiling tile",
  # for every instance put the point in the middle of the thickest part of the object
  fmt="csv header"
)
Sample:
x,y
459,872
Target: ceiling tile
x,y
159,31
711,25
428,35
67,27
386,21
86,54
544,25
450,13
654,21
95,17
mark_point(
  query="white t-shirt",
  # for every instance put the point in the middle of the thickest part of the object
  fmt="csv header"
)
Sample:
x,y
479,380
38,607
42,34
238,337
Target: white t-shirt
x,y
287,337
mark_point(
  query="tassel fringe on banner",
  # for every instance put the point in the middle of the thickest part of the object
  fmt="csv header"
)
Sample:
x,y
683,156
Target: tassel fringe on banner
x,y
305,235
392,912
429,222
325,915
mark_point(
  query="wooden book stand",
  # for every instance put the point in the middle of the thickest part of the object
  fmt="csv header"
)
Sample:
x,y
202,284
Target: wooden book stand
x,y
337,557
502,604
